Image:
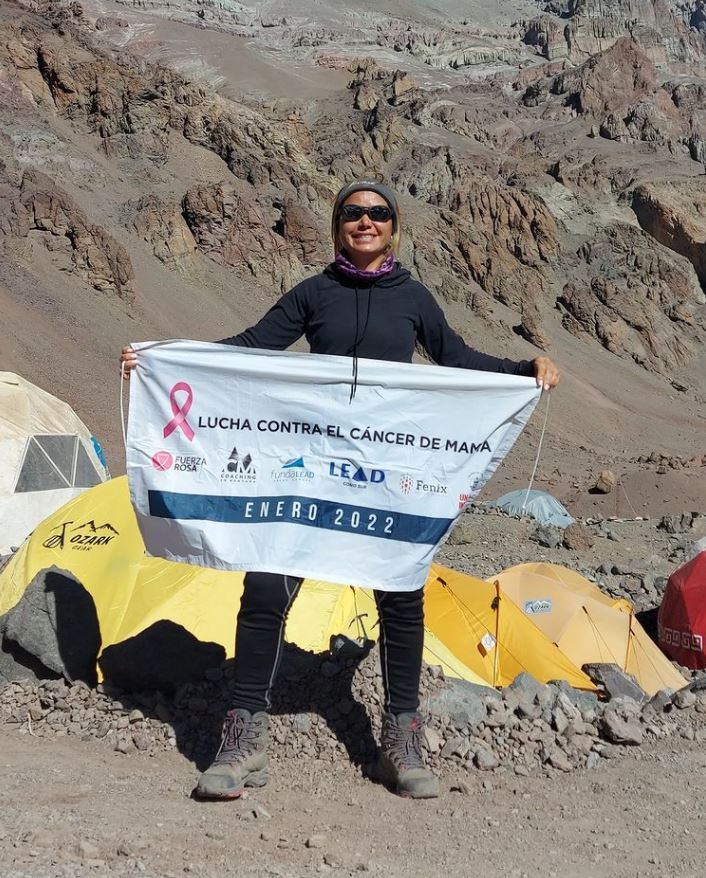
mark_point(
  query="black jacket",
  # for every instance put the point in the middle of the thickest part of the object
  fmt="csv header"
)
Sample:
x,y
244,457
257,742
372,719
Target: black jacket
x,y
381,319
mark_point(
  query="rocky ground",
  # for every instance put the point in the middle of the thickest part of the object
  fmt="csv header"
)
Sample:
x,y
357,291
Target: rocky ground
x,y
71,807
525,771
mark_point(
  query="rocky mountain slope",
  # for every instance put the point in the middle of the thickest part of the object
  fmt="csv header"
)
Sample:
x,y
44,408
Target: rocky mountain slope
x,y
549,159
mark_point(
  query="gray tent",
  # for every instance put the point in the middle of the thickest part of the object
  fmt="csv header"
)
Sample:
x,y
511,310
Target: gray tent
x,y
540,505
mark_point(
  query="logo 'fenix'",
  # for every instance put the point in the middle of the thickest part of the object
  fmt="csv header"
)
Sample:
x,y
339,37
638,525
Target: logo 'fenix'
x,y
409,483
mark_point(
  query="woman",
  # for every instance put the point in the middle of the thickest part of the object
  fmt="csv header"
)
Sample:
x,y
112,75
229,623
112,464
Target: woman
x,y
362,305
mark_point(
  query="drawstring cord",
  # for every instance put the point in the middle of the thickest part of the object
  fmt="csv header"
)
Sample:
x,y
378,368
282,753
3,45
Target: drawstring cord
x,y
358,340
136,348
354,383
539,450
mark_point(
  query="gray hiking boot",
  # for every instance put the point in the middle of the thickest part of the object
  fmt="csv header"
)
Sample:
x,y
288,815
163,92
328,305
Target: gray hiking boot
x,y
241,760
400,762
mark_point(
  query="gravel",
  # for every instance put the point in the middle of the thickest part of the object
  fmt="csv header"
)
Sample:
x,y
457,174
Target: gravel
x,y
528,727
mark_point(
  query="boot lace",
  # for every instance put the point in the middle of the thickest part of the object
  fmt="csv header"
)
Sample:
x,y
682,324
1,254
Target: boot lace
x,y
242,736
404,746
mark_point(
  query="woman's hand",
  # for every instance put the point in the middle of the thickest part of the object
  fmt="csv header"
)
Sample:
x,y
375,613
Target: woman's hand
x,y
128,361
545,372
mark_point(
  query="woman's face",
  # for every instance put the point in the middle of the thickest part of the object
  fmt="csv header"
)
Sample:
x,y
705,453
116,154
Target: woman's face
x,y
364,237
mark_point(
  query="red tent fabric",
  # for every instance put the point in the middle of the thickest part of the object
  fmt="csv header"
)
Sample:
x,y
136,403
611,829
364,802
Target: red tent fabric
x,y
682,616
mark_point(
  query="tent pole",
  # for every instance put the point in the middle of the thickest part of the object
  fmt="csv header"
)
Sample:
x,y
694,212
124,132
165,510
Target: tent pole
x,y
629,639
496,658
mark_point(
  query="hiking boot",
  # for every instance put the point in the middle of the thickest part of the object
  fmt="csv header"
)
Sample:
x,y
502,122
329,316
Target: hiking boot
x,y
241,760
400,762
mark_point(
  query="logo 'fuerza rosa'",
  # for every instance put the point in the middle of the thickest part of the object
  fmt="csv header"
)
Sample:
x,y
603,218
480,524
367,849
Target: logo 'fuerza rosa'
x,y
162,461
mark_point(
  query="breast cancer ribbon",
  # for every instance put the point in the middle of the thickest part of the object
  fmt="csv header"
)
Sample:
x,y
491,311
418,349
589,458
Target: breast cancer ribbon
x,y
180,412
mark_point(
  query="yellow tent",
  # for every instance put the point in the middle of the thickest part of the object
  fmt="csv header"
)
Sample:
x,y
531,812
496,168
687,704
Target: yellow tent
x,y
487,632
587,625
95,537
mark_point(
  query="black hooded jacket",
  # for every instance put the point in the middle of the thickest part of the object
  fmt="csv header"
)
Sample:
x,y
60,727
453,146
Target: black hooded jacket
x,y
380,319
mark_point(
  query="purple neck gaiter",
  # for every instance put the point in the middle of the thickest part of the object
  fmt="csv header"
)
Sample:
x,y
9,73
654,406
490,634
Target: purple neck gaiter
x,y
345,266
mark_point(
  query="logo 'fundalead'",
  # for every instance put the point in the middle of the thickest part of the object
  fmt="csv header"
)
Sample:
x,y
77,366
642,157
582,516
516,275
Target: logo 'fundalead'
x,y
292,470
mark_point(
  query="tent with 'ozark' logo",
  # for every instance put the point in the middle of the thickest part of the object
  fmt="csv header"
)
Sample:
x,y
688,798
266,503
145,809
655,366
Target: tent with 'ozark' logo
x,y
162,611
159,611
47,457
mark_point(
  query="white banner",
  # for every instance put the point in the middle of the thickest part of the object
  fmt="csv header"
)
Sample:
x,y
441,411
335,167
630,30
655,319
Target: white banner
x,y
243,459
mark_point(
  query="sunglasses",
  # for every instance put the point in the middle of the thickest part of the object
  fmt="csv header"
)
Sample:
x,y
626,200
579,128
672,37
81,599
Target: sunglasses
x,y
351,213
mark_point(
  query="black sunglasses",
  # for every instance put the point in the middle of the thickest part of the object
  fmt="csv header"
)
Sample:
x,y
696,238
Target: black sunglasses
x,y
351,213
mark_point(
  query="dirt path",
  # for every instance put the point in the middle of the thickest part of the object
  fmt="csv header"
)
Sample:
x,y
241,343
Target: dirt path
x,y
72,808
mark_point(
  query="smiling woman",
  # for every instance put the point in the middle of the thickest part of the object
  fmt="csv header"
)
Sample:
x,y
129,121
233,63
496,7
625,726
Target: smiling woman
x,y
365,226
364,304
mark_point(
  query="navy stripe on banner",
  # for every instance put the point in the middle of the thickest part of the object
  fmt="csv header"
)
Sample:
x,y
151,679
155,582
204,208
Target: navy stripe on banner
x,y
306,511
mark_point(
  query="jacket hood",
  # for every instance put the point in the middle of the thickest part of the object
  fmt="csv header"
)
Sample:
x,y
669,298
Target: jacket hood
x,y
394,278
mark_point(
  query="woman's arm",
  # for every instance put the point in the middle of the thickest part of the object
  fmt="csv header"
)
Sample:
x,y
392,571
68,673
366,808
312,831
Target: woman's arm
x,y
283,324
447,348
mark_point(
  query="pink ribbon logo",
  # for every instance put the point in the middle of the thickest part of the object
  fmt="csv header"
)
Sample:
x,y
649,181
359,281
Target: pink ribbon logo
x,y
180,412
162,461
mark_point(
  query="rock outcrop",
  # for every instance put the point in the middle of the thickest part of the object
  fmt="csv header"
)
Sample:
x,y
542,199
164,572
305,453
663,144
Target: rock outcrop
x,y
639,302
228,225
162,225
578,29
474,164
38,205
608,81
674,212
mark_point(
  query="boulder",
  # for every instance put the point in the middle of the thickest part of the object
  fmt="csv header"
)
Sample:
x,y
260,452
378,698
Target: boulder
x,y
585,701
615,682
524,685
463,702
606,482
53,626
684,699
577,538
620,722
547,536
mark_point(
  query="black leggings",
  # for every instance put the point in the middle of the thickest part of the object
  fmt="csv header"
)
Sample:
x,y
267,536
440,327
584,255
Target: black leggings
x,y
268,597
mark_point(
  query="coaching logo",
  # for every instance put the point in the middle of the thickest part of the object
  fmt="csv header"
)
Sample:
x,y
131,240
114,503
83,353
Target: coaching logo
x,y
239,468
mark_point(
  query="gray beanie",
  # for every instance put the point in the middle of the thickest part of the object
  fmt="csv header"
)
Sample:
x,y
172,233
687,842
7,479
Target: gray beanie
x,y
367,186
